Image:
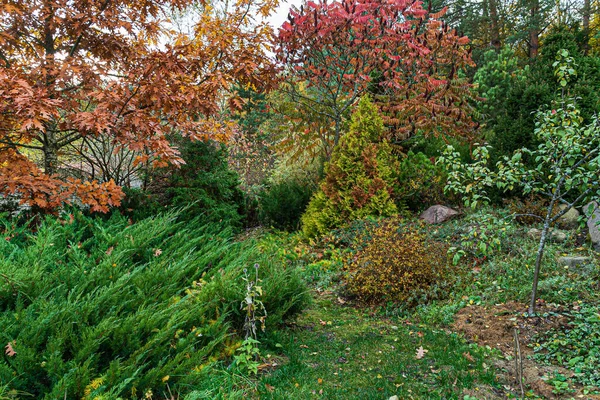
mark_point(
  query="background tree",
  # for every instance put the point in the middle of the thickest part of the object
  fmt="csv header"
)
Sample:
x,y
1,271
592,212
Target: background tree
x,y
405,56
95,69
511,91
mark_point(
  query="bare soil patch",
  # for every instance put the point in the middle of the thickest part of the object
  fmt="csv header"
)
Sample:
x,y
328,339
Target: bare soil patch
x,y
495,326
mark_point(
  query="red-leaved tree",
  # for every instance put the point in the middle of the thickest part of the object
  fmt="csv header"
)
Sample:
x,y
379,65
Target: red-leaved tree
x,y
405,56
112,70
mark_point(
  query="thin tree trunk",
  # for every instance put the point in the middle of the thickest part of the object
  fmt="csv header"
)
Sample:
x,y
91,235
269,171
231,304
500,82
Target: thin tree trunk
x,y
540,254
494,28
534,29
587,10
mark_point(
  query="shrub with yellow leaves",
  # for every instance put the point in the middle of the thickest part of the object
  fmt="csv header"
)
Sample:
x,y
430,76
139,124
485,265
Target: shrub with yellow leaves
x,y
397,264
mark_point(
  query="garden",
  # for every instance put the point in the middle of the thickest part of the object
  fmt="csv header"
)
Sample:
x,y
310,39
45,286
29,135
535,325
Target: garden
x,y
369,199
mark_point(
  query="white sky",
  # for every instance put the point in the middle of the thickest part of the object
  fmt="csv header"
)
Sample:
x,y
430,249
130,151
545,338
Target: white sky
x,y
280,15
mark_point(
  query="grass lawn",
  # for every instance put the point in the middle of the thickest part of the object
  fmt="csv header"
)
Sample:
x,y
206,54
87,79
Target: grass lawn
x,y
336,351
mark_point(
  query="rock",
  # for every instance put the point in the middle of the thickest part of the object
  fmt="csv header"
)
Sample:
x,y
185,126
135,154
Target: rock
x,y
438,214
393,398
570,220
574,261
592,223
555,235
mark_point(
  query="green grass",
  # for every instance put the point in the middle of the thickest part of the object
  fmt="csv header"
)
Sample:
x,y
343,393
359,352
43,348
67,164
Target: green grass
x,y
340,352
380,359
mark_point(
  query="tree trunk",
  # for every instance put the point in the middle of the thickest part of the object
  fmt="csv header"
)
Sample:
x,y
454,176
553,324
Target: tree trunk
x,y
540,254
534,29
50,154
586,12
494,28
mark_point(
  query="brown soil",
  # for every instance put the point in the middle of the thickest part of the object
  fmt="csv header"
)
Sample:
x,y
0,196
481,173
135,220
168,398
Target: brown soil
x,y
495,327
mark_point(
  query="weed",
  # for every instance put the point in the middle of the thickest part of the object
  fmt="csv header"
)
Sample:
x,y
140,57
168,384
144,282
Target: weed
x,y
576,346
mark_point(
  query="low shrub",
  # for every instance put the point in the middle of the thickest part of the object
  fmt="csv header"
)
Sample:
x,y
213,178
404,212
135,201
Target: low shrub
x,y
576,346
107,309
530,210
397,264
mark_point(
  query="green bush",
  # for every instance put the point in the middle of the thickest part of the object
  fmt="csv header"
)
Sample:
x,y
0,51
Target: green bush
x,y
282,205
396,264
204,187
419,182
98,308
358,178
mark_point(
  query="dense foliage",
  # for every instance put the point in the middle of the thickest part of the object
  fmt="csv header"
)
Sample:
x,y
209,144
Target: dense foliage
x,y
283,203
513,91
418,182
204,186
396,264
106,309
358,179
84,85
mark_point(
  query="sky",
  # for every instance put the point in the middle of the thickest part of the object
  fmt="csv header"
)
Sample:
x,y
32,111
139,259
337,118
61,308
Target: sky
x,y
280,15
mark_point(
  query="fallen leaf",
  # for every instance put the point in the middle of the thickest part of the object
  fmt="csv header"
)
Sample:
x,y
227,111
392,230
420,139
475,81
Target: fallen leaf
x,y
421,352
157,252
109,250
269,387
9,349
322,322
320,381
468,356
420,334
341,301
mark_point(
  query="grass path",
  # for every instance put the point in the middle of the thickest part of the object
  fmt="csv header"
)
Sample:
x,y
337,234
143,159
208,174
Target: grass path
x,y
339,352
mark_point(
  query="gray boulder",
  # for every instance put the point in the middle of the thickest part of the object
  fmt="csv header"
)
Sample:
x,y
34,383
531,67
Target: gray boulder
x,y
570,220
593,213
575,261
438,214
554,235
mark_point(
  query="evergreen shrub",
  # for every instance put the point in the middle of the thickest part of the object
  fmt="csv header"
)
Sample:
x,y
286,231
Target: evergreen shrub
x,y
282,204
204,187
358,178
107,309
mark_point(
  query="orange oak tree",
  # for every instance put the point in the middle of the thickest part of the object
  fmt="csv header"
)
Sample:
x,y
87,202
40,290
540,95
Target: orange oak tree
x,y
116,70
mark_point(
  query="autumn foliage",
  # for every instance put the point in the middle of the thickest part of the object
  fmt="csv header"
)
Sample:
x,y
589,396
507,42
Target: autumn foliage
x,y
395,264
73,71
404,55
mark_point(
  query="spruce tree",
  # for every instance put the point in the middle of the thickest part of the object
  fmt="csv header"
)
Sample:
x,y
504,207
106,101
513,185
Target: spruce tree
x,y
358,178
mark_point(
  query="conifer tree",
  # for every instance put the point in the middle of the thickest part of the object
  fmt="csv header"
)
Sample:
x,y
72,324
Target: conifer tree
x,y
358,178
